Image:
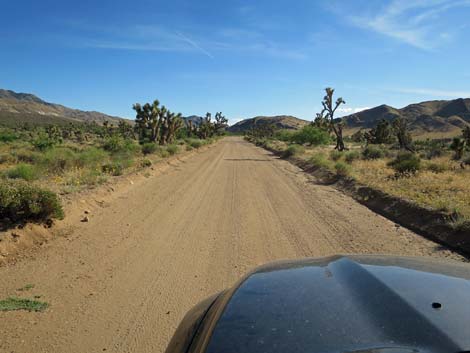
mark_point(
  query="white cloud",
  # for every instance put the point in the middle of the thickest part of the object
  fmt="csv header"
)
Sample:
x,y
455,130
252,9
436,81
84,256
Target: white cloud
x,y
233,121
411,21
435,92
158,38
349,110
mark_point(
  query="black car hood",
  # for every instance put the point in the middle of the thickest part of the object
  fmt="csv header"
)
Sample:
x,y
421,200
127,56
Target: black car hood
x,y
343,304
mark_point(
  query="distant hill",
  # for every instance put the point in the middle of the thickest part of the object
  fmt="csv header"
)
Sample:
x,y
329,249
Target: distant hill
x,y
196,120
25,107
280,121
431,116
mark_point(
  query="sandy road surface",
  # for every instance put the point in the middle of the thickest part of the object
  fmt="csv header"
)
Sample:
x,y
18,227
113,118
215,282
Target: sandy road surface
x,y
122,281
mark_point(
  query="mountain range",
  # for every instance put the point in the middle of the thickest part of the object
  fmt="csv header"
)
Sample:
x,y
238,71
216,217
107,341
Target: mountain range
x,y
429,116
25,107
279,121
438,116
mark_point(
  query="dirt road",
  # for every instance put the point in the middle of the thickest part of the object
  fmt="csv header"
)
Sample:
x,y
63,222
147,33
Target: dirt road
x,y
122,281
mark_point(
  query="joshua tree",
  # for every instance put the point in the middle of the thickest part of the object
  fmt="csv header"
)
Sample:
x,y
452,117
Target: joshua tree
x,y
466,135
125,129
400,127
330,108
172,123
149,120
321,122
206,127
221,122
458,146
382,133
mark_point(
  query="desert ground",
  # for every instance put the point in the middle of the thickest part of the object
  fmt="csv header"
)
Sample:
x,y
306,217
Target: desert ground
x,y
122,281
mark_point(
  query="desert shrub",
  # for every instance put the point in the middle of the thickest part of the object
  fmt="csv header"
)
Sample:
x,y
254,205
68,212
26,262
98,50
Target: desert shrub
x,y
336,155
24,155
465,161
406,162
162,152
195,143
92,157
148,148
342,169
146,163
116,143
172,149
292,150
43,141
433,153
262,141
89,177
373,152
7,136
320,160
311,135
351,156
23,171
6,158
113,168
59,160
21,201
437,167
284,135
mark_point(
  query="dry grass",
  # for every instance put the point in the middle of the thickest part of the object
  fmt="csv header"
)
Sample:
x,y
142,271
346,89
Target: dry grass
x,y
440,185
448,191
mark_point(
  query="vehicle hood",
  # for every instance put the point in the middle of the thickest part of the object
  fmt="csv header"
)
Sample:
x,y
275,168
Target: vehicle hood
x,y
344,304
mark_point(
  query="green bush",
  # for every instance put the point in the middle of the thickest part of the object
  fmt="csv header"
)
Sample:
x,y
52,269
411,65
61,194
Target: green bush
x,y
373,152
58,160
149,147
24,155
23,171
342,169
292,150
43,142
351,156
114,168
89,177
311,135
336,155
172,149
146,163
319,160
162,152
115,144
7,136
92,158
20,201
284,135
406,163
195,143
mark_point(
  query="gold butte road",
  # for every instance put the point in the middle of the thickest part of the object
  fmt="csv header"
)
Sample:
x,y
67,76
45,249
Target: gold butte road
x,y
124,280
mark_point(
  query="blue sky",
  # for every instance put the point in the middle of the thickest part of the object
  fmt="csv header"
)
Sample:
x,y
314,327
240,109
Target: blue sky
x,y
244,58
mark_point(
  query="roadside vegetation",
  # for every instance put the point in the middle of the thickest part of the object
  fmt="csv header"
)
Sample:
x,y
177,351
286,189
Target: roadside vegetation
x,y
433,173
14,303
38,164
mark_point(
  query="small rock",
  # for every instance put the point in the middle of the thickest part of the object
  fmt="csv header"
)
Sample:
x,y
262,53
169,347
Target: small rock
x,y
49,222
15,235
168,313
85,219
86,212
